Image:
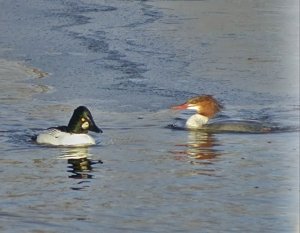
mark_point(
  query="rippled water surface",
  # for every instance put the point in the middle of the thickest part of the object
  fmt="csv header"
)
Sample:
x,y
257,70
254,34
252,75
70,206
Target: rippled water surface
x,y
129,61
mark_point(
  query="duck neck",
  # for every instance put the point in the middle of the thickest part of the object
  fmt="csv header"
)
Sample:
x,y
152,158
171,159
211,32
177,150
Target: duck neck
x,y
196,121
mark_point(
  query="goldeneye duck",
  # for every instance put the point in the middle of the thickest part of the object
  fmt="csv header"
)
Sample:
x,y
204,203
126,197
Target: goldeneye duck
x,y
75,134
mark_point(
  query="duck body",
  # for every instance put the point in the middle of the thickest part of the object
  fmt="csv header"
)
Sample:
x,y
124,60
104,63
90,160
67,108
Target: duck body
x,y
237,126
75,134
56,137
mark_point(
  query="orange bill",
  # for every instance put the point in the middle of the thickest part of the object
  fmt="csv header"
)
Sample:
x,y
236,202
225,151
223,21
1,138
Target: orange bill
x,y
180,107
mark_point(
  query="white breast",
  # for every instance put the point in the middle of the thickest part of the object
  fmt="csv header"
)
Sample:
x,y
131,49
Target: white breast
x,y
58,138
196,121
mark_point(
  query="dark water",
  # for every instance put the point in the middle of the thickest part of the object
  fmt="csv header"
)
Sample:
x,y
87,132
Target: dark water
x,y
129,61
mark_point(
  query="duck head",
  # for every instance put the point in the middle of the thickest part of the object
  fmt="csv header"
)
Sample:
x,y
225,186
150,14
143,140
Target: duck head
x,y
205,105
82,121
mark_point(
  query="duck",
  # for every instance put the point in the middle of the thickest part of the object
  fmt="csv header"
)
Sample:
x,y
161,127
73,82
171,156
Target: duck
x,y
207,107
74,134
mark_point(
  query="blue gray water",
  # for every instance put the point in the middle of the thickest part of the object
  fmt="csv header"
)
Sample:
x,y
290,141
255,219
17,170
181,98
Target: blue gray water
x,y
129,61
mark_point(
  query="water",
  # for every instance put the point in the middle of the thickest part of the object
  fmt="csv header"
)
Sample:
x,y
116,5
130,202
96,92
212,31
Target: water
x,y
129,61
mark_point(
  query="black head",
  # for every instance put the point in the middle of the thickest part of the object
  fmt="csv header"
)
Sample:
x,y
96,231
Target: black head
x,y
82,121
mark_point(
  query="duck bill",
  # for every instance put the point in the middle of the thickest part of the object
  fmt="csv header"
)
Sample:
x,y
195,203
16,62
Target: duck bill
x,y
180,107
94,127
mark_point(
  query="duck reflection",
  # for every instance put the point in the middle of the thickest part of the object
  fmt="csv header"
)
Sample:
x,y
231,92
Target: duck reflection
x,y
200,146
79,164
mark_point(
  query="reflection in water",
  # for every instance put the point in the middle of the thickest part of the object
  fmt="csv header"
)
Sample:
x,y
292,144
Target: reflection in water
x,y
200,150
200,145
80,165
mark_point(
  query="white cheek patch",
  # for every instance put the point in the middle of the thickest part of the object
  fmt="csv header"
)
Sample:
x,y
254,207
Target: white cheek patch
x,y
193,107
85,125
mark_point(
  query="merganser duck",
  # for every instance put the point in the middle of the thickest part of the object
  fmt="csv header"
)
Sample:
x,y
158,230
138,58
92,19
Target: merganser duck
x,y
207,107
75,134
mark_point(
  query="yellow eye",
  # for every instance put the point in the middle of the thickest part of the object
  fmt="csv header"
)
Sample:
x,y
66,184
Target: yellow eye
x,y
82,119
